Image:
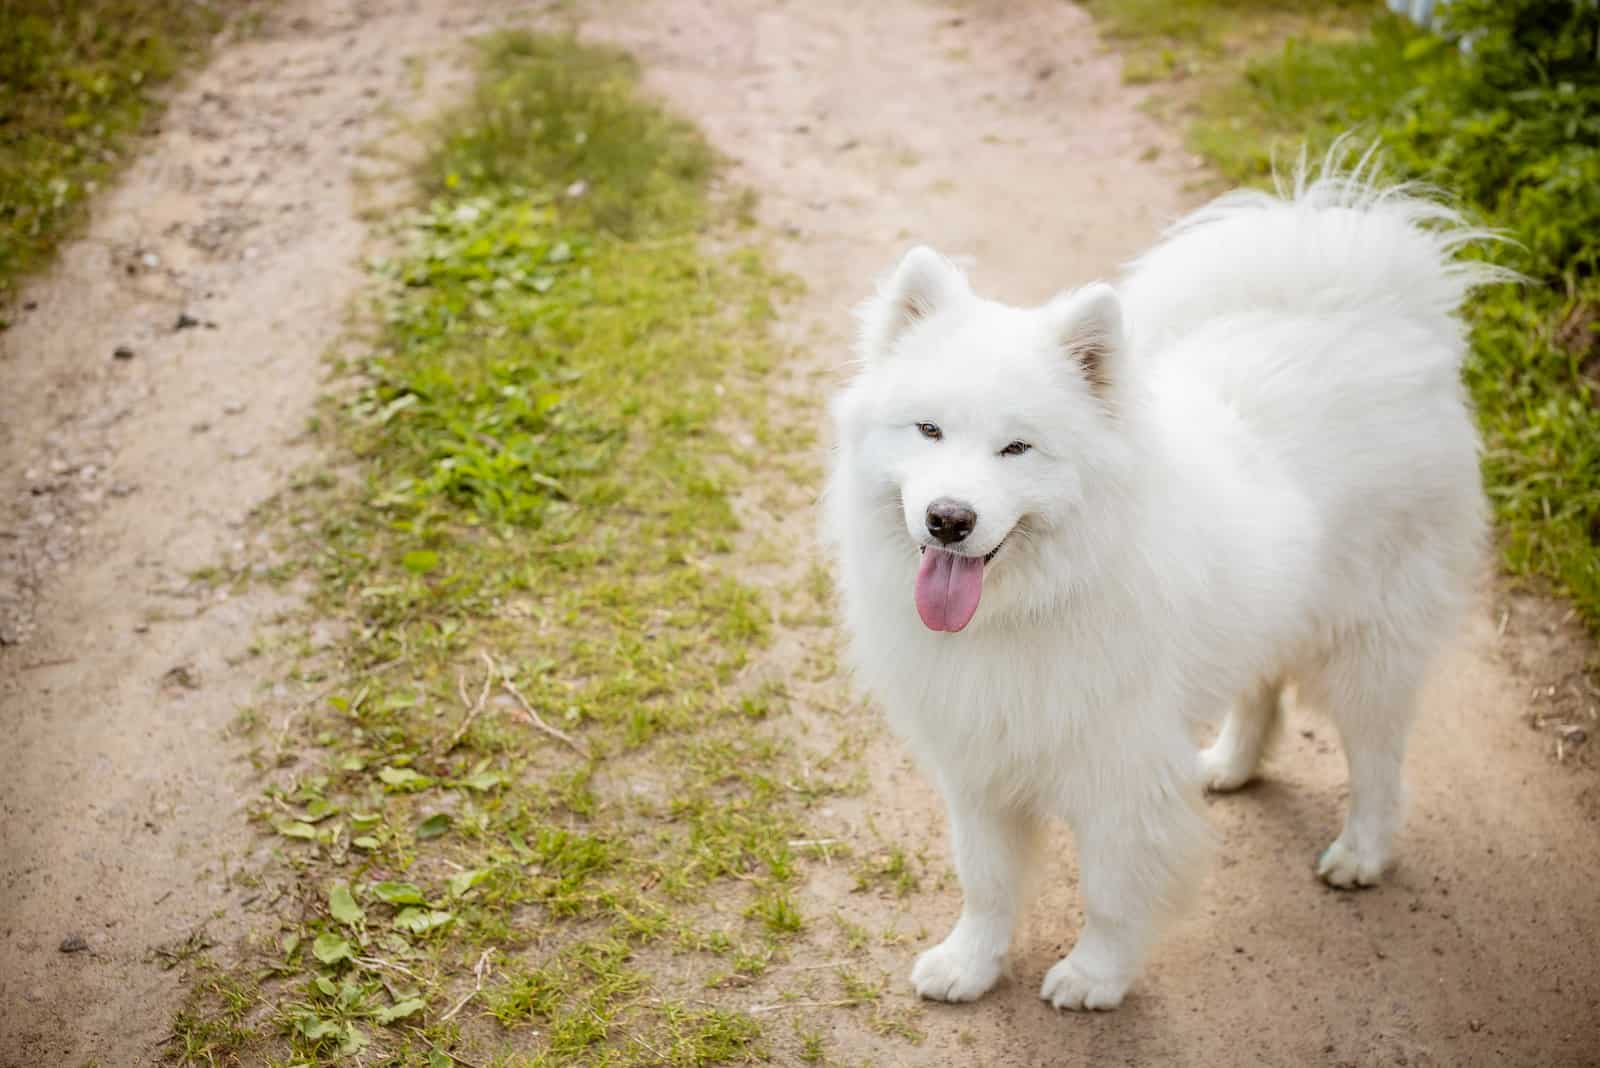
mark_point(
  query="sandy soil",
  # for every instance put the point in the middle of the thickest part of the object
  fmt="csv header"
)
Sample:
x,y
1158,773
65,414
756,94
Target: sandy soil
x,y
996,130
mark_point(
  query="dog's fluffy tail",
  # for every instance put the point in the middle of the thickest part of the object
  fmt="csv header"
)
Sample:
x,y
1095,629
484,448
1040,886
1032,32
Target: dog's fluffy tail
x,y
1333,239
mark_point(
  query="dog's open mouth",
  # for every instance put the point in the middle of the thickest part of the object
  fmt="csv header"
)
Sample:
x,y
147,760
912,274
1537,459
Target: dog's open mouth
x,y
949,586
990,555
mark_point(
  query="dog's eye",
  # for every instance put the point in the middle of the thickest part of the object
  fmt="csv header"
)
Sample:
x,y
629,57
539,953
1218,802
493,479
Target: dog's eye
x,y
1016,448
930,431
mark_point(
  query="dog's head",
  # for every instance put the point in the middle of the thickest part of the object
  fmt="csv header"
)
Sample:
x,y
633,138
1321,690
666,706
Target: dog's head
x,y
987,424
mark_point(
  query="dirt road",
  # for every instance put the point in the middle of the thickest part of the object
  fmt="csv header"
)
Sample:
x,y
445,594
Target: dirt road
x,y
998,131
136,445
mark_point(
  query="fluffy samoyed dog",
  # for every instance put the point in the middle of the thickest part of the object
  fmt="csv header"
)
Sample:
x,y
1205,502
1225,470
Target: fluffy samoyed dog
x,y
1067,534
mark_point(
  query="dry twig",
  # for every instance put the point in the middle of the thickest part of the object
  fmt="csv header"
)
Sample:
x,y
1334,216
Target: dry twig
x,y
374,962
538,721
474,708
478,973
762,1010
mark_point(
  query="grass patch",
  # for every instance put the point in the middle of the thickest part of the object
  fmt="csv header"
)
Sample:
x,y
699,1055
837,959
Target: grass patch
x,y
1202,40
528,781
887,871
77,79
1511,131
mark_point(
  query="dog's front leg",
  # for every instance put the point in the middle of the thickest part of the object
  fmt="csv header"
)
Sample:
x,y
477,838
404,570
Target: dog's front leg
x,y
1136,859
993,849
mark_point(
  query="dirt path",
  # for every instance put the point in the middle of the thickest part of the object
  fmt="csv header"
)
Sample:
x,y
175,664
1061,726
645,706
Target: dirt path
x,y
123,800
1000,131
997,131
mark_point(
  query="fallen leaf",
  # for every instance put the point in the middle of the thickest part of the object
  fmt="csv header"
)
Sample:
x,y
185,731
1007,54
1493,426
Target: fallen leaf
x,y
342,904
399,1010
330,948
420,561
421,921
461,882
398,893
404,778
484,780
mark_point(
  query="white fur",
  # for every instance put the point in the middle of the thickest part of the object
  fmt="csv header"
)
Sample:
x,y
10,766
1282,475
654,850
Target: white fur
x,y
1259,468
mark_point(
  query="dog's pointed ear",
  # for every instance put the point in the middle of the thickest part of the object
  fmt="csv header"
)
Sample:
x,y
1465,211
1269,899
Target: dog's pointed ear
x,y
923,284
1087,325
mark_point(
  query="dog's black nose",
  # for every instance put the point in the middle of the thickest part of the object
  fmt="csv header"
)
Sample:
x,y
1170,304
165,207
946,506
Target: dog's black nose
x,y
950,521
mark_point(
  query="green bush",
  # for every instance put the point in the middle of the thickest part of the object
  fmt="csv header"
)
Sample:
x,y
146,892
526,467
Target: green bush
x,y
1510,128
1514,129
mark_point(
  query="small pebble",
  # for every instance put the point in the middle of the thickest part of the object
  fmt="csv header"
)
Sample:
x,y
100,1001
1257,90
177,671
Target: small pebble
x,y
73,943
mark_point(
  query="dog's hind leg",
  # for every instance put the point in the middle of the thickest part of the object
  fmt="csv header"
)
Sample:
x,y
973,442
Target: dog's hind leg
x,y
1369,687
1232,759
994,849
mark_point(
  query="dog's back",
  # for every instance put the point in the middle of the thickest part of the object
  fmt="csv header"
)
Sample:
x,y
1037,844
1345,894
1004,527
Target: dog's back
x,y
1325,318
1327,244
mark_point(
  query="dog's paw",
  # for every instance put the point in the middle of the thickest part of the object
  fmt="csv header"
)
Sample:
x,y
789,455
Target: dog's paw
x,y
952,972
1066,987
1348,869
1223,770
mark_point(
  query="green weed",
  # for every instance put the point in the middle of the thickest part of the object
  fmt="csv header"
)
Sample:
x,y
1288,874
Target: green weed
x,y
778,912
890,870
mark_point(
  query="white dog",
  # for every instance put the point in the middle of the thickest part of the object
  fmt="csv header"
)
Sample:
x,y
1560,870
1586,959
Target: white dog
x,y
1066,534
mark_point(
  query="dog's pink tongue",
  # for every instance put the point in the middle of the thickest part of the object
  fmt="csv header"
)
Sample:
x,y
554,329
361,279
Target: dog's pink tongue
x,y
948,588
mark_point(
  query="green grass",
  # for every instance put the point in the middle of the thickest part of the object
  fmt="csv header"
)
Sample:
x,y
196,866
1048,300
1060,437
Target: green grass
x,y
1310,89
77,79
529,780
1521,156
1202,40
1207,24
